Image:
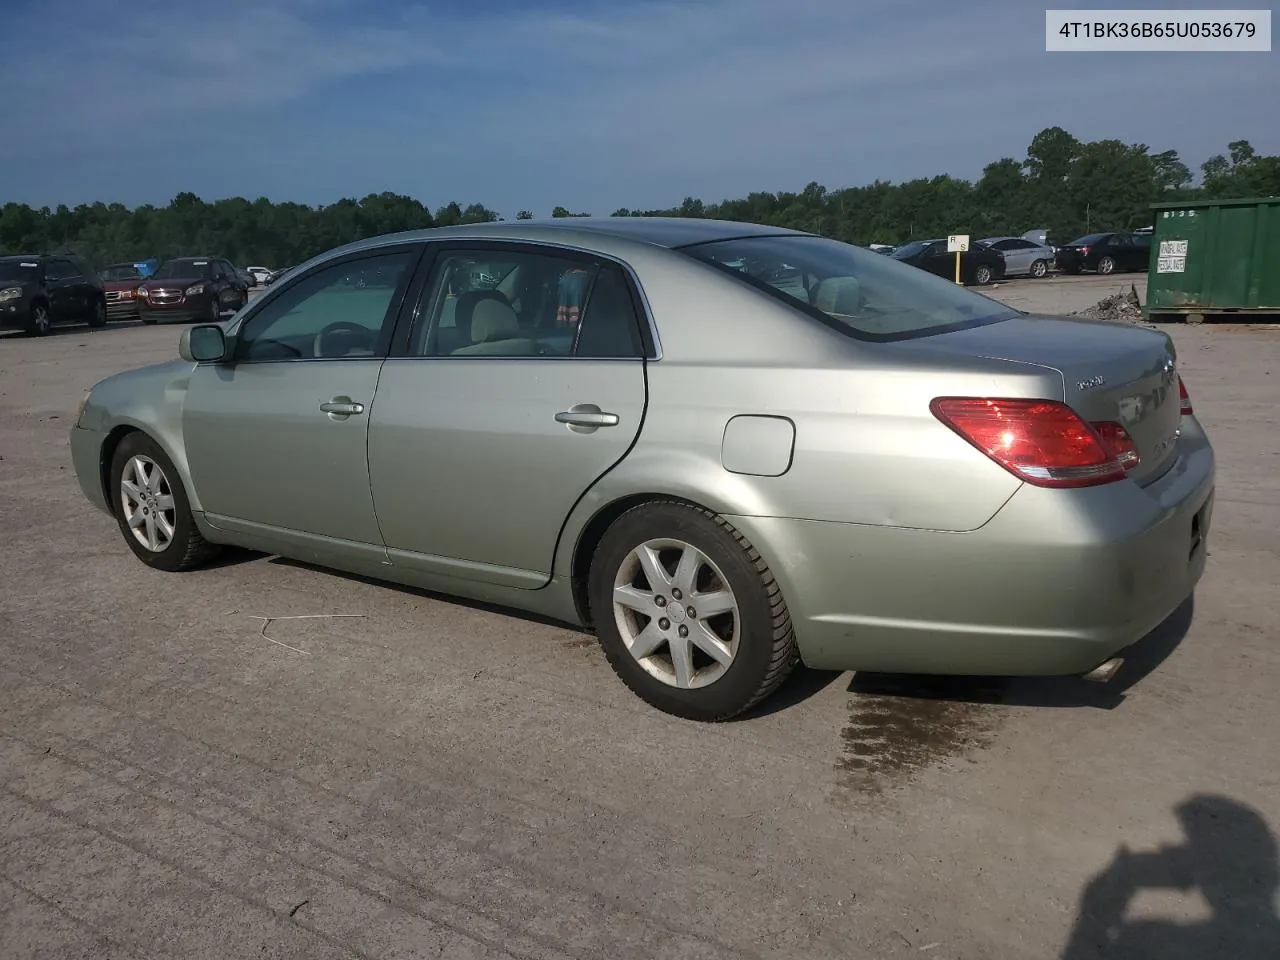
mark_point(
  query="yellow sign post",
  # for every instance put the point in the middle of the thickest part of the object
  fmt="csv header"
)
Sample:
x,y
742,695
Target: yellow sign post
x,y
958,243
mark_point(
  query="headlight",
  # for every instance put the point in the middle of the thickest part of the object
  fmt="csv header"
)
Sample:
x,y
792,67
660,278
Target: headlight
x,y
130,294
10,293
142,292
195,289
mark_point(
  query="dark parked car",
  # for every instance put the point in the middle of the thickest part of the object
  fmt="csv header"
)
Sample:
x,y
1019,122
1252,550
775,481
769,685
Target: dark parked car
x,y
37,292
979,265
1105,253
192,288
121,282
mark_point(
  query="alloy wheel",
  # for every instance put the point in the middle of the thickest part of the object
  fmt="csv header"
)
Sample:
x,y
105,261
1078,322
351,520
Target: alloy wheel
x,y
40,320
676,613
147,500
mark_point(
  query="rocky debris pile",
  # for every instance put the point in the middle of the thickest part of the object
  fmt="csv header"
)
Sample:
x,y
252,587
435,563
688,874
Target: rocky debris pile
x,y
1117,308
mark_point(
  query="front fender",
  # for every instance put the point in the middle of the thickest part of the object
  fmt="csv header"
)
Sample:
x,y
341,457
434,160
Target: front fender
x,y
149,399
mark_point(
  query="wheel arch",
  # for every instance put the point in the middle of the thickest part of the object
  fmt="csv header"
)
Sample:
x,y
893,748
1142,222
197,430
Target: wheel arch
x,y
593,532
111,443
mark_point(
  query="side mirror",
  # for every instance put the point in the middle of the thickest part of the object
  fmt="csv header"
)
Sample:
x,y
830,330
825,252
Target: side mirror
x,y
203,343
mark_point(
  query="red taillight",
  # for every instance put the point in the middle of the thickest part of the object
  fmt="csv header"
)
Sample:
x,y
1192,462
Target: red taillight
x,y
1118,443
1084,251
1184,399
1043,442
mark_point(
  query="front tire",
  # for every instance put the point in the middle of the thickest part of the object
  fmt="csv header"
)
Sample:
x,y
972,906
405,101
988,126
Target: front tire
x,y
688,613
1039,269
39,322
982,275
98,314
152,509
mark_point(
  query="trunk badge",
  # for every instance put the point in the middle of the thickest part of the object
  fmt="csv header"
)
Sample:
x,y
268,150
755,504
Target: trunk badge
x,y
1090,384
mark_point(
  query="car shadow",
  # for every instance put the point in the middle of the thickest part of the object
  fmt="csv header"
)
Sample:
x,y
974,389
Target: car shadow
x,y
802,684
1229,857
1140,660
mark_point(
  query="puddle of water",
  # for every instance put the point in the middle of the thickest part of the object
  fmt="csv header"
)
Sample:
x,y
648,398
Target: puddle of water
x,y
896,731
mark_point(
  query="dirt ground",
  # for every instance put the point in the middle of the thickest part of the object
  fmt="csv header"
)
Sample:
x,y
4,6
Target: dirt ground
x,y
433,779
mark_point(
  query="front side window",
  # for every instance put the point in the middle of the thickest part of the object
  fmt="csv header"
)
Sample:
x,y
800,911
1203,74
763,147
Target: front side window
x,y
338,312
851,289
524,304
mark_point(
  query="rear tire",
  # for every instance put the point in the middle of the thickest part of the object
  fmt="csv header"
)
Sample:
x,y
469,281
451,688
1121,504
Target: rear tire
x,y
1106,266
152,509
982,275
1039,269
709,666
98,314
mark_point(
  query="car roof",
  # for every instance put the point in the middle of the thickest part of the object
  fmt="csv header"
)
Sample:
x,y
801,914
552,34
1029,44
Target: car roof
x,y
669,232
23,256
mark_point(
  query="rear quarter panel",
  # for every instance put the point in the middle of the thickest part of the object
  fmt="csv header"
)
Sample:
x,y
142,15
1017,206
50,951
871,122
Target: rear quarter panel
x,y
867,449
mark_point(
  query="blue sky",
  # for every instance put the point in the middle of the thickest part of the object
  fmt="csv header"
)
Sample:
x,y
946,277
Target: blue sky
x,y
594,104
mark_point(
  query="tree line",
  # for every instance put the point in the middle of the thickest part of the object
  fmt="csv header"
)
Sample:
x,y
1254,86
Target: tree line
x,y
1063,184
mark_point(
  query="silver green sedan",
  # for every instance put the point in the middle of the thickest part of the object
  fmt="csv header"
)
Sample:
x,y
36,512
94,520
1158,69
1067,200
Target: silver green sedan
x,y
726,448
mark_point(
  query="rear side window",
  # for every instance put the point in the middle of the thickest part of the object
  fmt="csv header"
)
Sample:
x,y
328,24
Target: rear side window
x,y
855,291
517,303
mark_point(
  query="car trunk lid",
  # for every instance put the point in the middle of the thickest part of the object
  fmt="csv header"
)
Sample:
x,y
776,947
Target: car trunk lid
x,y
1111,373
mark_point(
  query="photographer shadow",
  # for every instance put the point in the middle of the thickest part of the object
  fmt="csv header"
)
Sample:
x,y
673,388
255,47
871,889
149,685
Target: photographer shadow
x,y
1230,857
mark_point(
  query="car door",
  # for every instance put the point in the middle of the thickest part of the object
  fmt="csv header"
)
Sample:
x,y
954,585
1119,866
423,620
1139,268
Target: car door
x,y
1018,255
520,382
936,260
61,290
276,436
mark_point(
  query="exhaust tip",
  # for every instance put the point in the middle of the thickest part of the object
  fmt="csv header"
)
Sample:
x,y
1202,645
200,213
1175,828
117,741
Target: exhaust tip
x,y
1105,671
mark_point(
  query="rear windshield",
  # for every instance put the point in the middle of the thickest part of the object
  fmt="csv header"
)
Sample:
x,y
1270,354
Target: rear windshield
x,y
853,290
1091,238
910,249
183,269
122,272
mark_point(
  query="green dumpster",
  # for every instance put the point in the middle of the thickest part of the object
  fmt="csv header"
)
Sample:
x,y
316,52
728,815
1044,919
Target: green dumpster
x,y
1215,257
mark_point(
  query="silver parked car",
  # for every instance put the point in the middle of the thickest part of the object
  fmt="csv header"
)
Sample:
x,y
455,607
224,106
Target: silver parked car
x,y
725,447
1022,257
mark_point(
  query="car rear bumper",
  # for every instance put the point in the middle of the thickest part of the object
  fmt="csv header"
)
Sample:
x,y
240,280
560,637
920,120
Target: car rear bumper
x,y
1056,583
86,460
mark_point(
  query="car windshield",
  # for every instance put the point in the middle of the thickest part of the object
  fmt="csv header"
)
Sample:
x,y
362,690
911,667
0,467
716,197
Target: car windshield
x,y
19,271
1086,240
910,249
121,272
851,289
183,269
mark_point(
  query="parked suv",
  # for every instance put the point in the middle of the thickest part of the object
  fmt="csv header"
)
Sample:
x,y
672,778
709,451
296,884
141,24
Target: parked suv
x,y
37,292
191,288
121,282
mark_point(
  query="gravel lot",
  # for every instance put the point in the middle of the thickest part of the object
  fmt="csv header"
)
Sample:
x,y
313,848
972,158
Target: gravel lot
x,y
438,779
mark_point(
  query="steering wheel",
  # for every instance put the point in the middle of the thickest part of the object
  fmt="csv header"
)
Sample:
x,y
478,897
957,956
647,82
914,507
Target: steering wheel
x,y
354,334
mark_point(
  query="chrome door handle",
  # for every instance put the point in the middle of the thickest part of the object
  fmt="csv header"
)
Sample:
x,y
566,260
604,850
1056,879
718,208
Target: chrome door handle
x,y
587,418
341,407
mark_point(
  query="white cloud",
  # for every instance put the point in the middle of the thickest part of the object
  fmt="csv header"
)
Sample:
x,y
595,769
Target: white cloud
x,y
614,103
